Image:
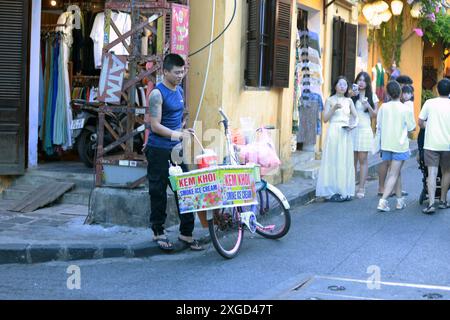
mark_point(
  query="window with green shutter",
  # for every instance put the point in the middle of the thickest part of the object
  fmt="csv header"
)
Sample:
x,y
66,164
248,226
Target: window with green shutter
x,y
268,43
13,84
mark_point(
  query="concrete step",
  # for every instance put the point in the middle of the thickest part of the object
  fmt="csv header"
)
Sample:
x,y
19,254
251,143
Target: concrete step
x,y
301,157
76,196
81,181
309,170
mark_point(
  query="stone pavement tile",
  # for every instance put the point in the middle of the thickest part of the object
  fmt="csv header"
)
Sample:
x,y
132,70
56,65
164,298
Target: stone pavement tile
x,y
19,220
47,222
7,214
6,226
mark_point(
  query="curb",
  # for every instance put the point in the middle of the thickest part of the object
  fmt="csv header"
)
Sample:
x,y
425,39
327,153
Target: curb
x,y
38,253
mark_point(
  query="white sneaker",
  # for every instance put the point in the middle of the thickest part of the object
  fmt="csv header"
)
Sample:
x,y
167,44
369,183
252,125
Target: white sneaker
x,y
383,205
400,203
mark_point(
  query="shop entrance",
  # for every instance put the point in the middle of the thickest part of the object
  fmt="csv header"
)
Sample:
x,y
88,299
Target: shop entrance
x,y
69,70
308,102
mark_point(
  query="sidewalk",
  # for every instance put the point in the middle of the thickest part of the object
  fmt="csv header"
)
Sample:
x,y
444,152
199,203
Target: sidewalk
x,y
58,232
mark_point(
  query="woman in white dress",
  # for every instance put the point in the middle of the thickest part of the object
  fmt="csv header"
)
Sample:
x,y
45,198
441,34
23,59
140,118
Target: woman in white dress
x,y
366,104
336,181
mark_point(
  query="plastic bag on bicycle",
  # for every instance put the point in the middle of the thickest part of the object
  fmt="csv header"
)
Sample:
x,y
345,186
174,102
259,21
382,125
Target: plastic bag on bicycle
x,y
262,152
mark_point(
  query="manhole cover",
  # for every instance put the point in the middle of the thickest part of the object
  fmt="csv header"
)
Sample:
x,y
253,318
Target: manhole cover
x,y
433,296
336,288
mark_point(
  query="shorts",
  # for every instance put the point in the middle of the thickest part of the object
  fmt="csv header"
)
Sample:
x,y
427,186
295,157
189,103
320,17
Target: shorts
x,y
398,156
437,158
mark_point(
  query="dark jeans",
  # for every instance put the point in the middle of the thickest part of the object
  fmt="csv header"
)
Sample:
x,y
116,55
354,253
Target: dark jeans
x,y
158,179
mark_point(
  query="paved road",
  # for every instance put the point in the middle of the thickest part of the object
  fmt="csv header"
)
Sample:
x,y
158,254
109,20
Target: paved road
x,y
329,245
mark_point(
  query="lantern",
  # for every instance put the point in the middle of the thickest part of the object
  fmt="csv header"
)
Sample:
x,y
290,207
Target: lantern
x,y
385,16
368,12
396,7
380,6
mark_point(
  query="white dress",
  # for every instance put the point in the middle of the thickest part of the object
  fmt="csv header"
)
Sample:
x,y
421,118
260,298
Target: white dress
x,y
337,172
363,134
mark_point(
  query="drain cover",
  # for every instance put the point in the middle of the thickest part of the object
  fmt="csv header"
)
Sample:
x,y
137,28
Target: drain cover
x,y
336,288
433,296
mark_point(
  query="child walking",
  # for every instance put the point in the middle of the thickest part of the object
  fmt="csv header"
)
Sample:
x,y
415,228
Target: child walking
x,y
394,122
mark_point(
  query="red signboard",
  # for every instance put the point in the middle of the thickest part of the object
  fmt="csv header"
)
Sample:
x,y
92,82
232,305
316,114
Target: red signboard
x,y
179,42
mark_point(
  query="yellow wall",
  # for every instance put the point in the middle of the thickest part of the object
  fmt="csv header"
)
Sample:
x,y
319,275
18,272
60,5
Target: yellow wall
x,y
436,53
411,59
225,86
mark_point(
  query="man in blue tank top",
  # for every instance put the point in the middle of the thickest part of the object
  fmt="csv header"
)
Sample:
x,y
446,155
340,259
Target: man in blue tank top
x,y
166,107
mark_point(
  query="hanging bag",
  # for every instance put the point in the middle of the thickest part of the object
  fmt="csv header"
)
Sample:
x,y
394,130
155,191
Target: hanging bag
x,y
261,152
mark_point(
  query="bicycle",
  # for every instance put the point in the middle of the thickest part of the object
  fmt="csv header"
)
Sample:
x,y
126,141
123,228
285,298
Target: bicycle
x,y
270,218
233,196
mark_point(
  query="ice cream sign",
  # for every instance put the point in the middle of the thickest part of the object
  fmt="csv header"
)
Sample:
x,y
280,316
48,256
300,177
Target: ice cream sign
x,y
180,30
218,187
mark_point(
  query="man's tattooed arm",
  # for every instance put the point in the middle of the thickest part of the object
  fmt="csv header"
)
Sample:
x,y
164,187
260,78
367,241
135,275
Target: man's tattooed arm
x,y
154,117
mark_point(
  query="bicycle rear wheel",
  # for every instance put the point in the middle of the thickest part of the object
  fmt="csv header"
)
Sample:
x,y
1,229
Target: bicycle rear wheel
x,y
226,231
271,213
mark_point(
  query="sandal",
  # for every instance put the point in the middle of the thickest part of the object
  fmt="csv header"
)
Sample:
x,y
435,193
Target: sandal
x,y
337,198
360,194
163,242
443,205
194,245
429,210
404,194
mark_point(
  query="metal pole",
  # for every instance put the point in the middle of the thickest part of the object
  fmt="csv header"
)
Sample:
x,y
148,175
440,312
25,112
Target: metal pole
x,y
135,48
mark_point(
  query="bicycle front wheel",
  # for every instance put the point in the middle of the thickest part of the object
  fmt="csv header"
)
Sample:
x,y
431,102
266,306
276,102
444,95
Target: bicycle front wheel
x,y
272,215
226,231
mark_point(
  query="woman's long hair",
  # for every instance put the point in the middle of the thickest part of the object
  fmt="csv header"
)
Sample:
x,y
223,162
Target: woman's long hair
x,y
368,90
333,89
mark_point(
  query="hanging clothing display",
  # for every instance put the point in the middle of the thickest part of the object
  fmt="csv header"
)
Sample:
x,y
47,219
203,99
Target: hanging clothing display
x,y
311,105
308,101
55,113
63,112
378,72
122,21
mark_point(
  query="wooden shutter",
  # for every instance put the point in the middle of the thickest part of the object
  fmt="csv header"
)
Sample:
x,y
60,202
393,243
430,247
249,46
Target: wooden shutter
x,y
253,61
350,51
13,84
337,51
282,43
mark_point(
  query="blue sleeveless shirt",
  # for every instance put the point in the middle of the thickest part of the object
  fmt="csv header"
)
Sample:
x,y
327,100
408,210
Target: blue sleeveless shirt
x,y
171,117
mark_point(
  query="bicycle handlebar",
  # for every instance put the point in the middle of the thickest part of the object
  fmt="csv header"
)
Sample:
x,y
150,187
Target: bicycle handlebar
x,y
222,113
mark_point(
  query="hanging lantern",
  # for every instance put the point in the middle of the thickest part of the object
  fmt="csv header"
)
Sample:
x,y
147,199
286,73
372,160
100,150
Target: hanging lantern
x,y
416,10
385,16
380,6
396,7
368,12
376,21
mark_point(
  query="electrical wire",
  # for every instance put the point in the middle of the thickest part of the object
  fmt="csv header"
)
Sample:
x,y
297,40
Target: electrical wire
x,y
229,23
207,65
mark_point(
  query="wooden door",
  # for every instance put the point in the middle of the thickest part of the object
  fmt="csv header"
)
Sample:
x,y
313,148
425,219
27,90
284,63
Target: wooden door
x,y
14,17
